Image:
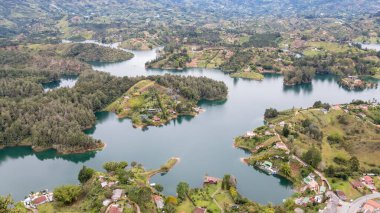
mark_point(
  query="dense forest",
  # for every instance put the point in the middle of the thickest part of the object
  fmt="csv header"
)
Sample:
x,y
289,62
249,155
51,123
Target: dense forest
x,y
92,52
56,119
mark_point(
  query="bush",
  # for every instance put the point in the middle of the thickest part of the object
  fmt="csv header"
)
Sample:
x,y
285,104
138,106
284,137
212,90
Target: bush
x,y
113,166
85,174
270,113
335,138
313,157
67,194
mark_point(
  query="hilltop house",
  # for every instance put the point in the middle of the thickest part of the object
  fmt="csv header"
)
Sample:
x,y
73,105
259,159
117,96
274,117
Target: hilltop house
x,y
311,183
115,208
341,195
159,201
368,180
210,180
116,194
250,134
199,210
357,185
371,206
281,145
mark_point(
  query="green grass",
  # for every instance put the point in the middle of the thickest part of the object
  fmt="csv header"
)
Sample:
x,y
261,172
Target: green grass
x,y
185,206
248,75
346,187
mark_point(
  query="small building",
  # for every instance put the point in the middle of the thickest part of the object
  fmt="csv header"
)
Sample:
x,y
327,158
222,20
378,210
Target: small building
x,y
107,202
336,107
299,210
200,210
156,119
318,199
159,201
281,145
116,194
210,180
267,164
368,180
104,184
371,206
268,133
250,134
357,185
40,200
341,195
115,208
322,189
153,111
144,117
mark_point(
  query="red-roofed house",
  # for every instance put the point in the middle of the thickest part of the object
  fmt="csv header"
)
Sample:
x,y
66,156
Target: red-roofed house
x,y
159,201
368,180
40,200
357,185
114,208
341,195
199,210
210,180
371,206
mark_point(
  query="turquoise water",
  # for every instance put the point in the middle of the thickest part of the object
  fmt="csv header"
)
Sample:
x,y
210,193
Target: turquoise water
x,y
204,143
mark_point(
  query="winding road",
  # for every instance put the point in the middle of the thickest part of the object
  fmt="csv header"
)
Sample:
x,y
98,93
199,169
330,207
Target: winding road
x,y
355,206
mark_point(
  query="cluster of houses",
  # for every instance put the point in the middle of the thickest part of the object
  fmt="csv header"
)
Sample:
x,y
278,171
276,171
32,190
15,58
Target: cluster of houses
x,y
312,185
371,206
116,195
35,199
365,182
105,183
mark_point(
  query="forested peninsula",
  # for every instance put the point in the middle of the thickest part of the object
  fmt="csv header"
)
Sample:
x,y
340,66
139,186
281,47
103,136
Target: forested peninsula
x,y
56,119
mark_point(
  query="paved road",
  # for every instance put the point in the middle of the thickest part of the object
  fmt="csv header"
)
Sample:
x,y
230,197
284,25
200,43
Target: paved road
x,y
332,203
357,204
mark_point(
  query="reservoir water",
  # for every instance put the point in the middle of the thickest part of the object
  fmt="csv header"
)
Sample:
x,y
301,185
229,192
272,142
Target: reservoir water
x,y
204,143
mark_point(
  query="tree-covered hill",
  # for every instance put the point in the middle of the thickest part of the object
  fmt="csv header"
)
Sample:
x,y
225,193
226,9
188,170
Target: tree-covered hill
x,y
18,16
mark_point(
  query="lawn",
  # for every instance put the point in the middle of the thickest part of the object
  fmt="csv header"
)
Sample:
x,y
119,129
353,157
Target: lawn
x,y
346,187
185,206
248,75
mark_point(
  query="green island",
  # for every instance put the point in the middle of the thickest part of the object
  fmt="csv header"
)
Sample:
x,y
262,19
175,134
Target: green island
x,y
321,148
148,103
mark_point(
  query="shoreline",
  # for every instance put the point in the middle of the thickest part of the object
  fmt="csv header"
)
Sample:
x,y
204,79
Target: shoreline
x,y
37,149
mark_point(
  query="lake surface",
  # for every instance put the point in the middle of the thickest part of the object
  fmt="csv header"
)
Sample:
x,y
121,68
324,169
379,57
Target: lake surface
x,y
204,143
68,81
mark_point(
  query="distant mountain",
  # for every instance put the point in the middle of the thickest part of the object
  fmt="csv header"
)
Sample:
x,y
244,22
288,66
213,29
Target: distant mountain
x,y
20,16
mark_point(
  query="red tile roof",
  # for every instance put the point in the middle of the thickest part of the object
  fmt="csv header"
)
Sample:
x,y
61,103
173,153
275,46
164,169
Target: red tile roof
x,y
199,210
115,209
373,203
209,179
40,200
368,179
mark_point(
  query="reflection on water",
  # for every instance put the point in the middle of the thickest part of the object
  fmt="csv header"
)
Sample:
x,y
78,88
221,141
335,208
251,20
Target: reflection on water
x,y
67,81
22,152
204,143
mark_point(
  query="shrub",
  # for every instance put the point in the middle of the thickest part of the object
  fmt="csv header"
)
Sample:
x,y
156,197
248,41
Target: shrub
x,y
67,194
85,174
270,113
